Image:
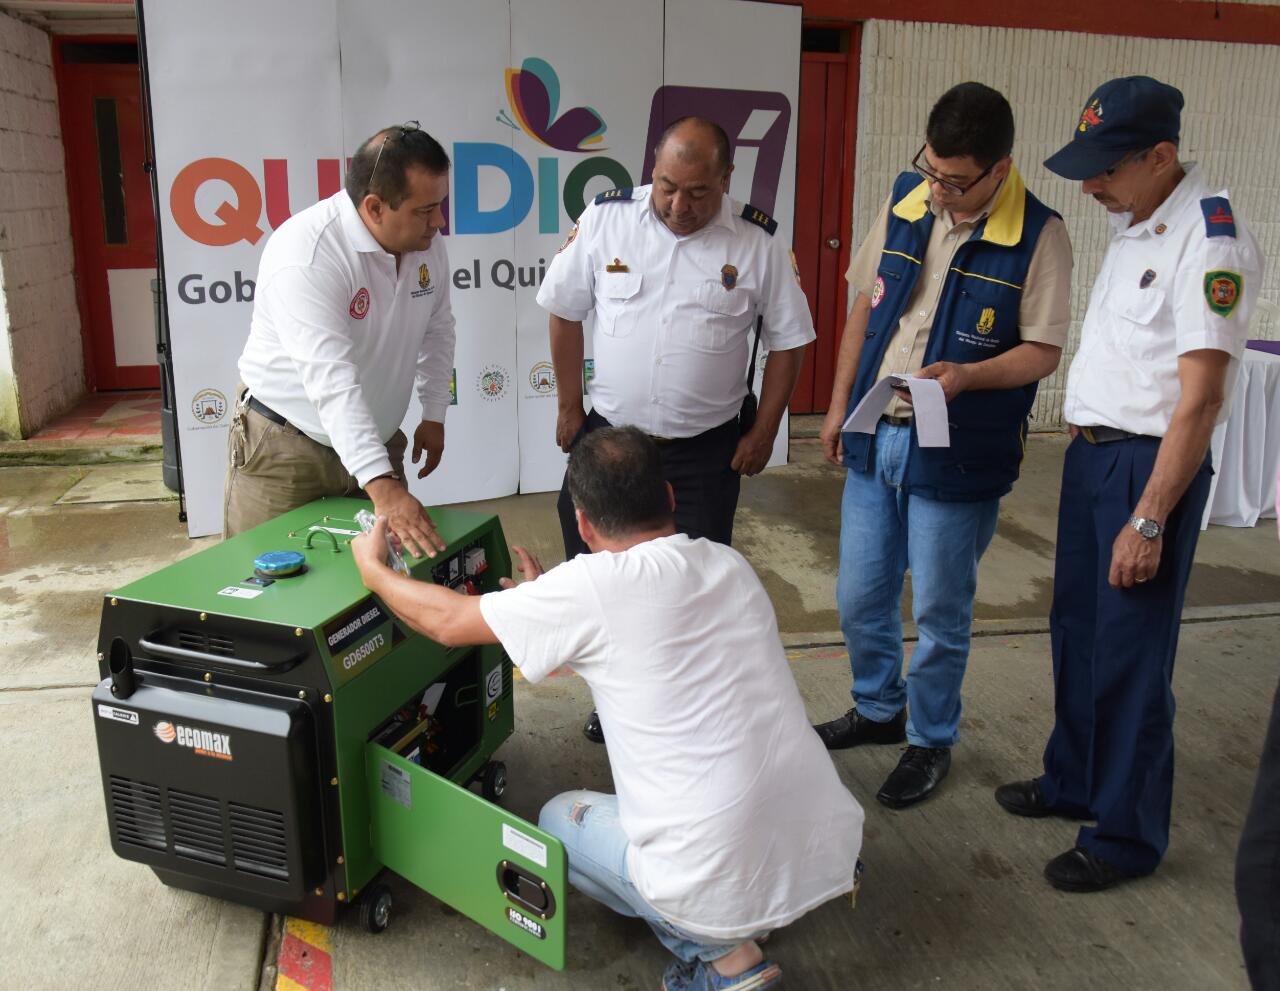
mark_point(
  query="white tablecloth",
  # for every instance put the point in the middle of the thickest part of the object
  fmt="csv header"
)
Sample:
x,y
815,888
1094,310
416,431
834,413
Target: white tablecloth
x,y
1246,449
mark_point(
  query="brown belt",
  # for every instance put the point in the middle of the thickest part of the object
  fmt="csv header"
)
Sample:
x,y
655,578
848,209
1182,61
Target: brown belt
x,y
896,421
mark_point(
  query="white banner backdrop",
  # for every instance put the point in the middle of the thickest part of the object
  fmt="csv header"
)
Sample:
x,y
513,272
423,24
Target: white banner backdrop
x,y
541,105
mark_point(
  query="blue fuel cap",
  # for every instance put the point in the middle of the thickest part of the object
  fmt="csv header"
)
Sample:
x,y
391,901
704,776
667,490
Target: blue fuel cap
x,y
279,564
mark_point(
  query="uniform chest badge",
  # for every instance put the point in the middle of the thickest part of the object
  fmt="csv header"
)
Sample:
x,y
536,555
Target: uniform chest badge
x,y
1148,277
359,307
1222,291
986,321
617,266
424,277
728,276
877,291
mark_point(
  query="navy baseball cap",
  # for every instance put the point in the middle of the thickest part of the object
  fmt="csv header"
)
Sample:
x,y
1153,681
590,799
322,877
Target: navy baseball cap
x,y
1122,116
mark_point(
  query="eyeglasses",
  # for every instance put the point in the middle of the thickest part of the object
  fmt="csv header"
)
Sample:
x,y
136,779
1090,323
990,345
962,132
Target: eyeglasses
x,y
1134,156
951,187
405,128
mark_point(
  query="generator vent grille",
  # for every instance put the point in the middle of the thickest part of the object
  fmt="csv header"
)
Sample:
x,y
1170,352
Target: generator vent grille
x,y
206,643
135,807
258,843
506,677
197,827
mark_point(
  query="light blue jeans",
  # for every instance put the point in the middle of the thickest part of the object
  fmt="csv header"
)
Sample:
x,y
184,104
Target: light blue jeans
x,y
586,822
883,532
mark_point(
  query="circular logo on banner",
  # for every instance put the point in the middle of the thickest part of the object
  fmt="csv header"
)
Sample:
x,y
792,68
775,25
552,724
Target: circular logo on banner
x,y
209,406
165,732
542,377
492,382
359,304
877,291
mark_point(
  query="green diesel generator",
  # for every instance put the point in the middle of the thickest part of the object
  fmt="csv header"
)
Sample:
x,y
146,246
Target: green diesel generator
x,y
280,740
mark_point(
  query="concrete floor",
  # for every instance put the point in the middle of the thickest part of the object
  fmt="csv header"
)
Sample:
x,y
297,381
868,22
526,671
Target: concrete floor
x,y
953,898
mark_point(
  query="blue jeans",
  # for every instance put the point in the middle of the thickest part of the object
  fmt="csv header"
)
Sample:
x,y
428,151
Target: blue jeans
x,y
883,531
586,822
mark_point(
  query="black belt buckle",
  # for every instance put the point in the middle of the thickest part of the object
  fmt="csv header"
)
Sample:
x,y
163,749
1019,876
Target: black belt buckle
x,y
896,421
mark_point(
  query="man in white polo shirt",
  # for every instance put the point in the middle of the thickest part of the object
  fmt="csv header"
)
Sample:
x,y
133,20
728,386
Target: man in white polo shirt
x,y
351,313
729,819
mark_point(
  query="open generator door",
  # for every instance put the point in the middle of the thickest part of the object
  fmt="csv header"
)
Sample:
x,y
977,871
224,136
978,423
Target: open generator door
x,y
492,866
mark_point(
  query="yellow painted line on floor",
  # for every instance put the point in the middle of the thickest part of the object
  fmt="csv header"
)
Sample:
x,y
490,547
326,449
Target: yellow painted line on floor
x,y
305,962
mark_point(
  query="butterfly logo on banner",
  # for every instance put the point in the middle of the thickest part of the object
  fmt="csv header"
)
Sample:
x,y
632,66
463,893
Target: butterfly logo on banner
x,y
533,90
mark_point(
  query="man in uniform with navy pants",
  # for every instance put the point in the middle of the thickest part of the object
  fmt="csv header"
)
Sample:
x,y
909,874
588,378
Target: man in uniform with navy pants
x,y
964,278
1159,352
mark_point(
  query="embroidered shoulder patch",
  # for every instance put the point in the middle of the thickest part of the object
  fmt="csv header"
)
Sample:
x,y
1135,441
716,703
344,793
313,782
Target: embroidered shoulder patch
x,y
613,196
1222,291
1218,221
758,217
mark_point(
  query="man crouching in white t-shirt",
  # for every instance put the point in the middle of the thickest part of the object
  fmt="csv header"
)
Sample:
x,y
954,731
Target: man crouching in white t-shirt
x,y
730,820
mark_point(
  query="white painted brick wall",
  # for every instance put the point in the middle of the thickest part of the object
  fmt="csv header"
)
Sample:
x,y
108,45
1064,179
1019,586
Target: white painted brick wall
x,y
1230,125
41,355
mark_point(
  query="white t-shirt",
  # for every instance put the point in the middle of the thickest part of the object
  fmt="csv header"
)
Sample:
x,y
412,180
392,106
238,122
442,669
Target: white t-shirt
x,y
1184,279
339,337
736,818
675,315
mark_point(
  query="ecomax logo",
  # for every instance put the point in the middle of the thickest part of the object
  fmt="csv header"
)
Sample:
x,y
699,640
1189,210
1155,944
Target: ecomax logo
x,y
206,743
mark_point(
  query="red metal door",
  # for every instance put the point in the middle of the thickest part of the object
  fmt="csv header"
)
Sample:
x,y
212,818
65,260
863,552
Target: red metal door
x,y
112,221
824,184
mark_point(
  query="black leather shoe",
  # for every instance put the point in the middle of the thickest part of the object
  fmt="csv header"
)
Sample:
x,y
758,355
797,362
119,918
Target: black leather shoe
x,y
592,729
852,729
1023,798
1080,870
920,770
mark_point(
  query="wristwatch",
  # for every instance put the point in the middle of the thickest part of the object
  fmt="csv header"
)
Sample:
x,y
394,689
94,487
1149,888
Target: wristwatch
x,y
1149,529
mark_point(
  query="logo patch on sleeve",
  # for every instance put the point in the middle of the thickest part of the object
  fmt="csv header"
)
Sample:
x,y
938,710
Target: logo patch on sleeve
x,y
1218,219
1222,291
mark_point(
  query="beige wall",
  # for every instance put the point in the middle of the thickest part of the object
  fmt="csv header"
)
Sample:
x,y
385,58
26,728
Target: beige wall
x,y
1231,125
41,355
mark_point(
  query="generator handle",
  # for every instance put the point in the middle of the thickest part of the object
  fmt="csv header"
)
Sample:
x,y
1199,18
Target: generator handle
x,y
158,649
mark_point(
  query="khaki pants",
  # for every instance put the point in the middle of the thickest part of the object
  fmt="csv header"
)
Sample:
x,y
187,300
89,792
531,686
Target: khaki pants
x,y
273,468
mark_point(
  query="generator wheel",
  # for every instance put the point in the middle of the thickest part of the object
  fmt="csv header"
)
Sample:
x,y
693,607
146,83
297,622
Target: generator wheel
x,y
375,908
494,783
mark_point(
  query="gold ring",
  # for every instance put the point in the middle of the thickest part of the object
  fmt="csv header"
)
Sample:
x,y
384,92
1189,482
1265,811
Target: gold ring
x,y
1139,580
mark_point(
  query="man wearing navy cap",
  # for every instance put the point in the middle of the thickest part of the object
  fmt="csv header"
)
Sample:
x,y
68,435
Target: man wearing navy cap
x,y
1158,355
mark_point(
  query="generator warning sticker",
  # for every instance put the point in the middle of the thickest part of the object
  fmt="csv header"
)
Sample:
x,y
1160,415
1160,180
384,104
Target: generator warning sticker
x,y
396,785
526,846
359,637
119,715
531,926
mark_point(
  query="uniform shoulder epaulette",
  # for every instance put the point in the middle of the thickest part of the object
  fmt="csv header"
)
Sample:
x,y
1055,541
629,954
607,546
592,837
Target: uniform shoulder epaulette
x,y
613,196
1218,220
758,217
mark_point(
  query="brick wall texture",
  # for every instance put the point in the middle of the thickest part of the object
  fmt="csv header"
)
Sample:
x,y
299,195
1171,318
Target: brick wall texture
x,y
41,354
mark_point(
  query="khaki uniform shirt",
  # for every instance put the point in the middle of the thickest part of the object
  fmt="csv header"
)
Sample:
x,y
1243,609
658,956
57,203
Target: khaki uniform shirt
x,y
1044,315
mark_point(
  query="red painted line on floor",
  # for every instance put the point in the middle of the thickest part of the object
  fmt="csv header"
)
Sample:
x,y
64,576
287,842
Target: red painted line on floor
x,y
304,959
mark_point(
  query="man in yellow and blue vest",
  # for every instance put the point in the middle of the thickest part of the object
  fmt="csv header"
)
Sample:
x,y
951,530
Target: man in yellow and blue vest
x,y
965,278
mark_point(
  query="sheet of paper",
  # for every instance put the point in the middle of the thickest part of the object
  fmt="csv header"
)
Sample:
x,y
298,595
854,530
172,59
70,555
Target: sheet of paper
x,y
929,408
